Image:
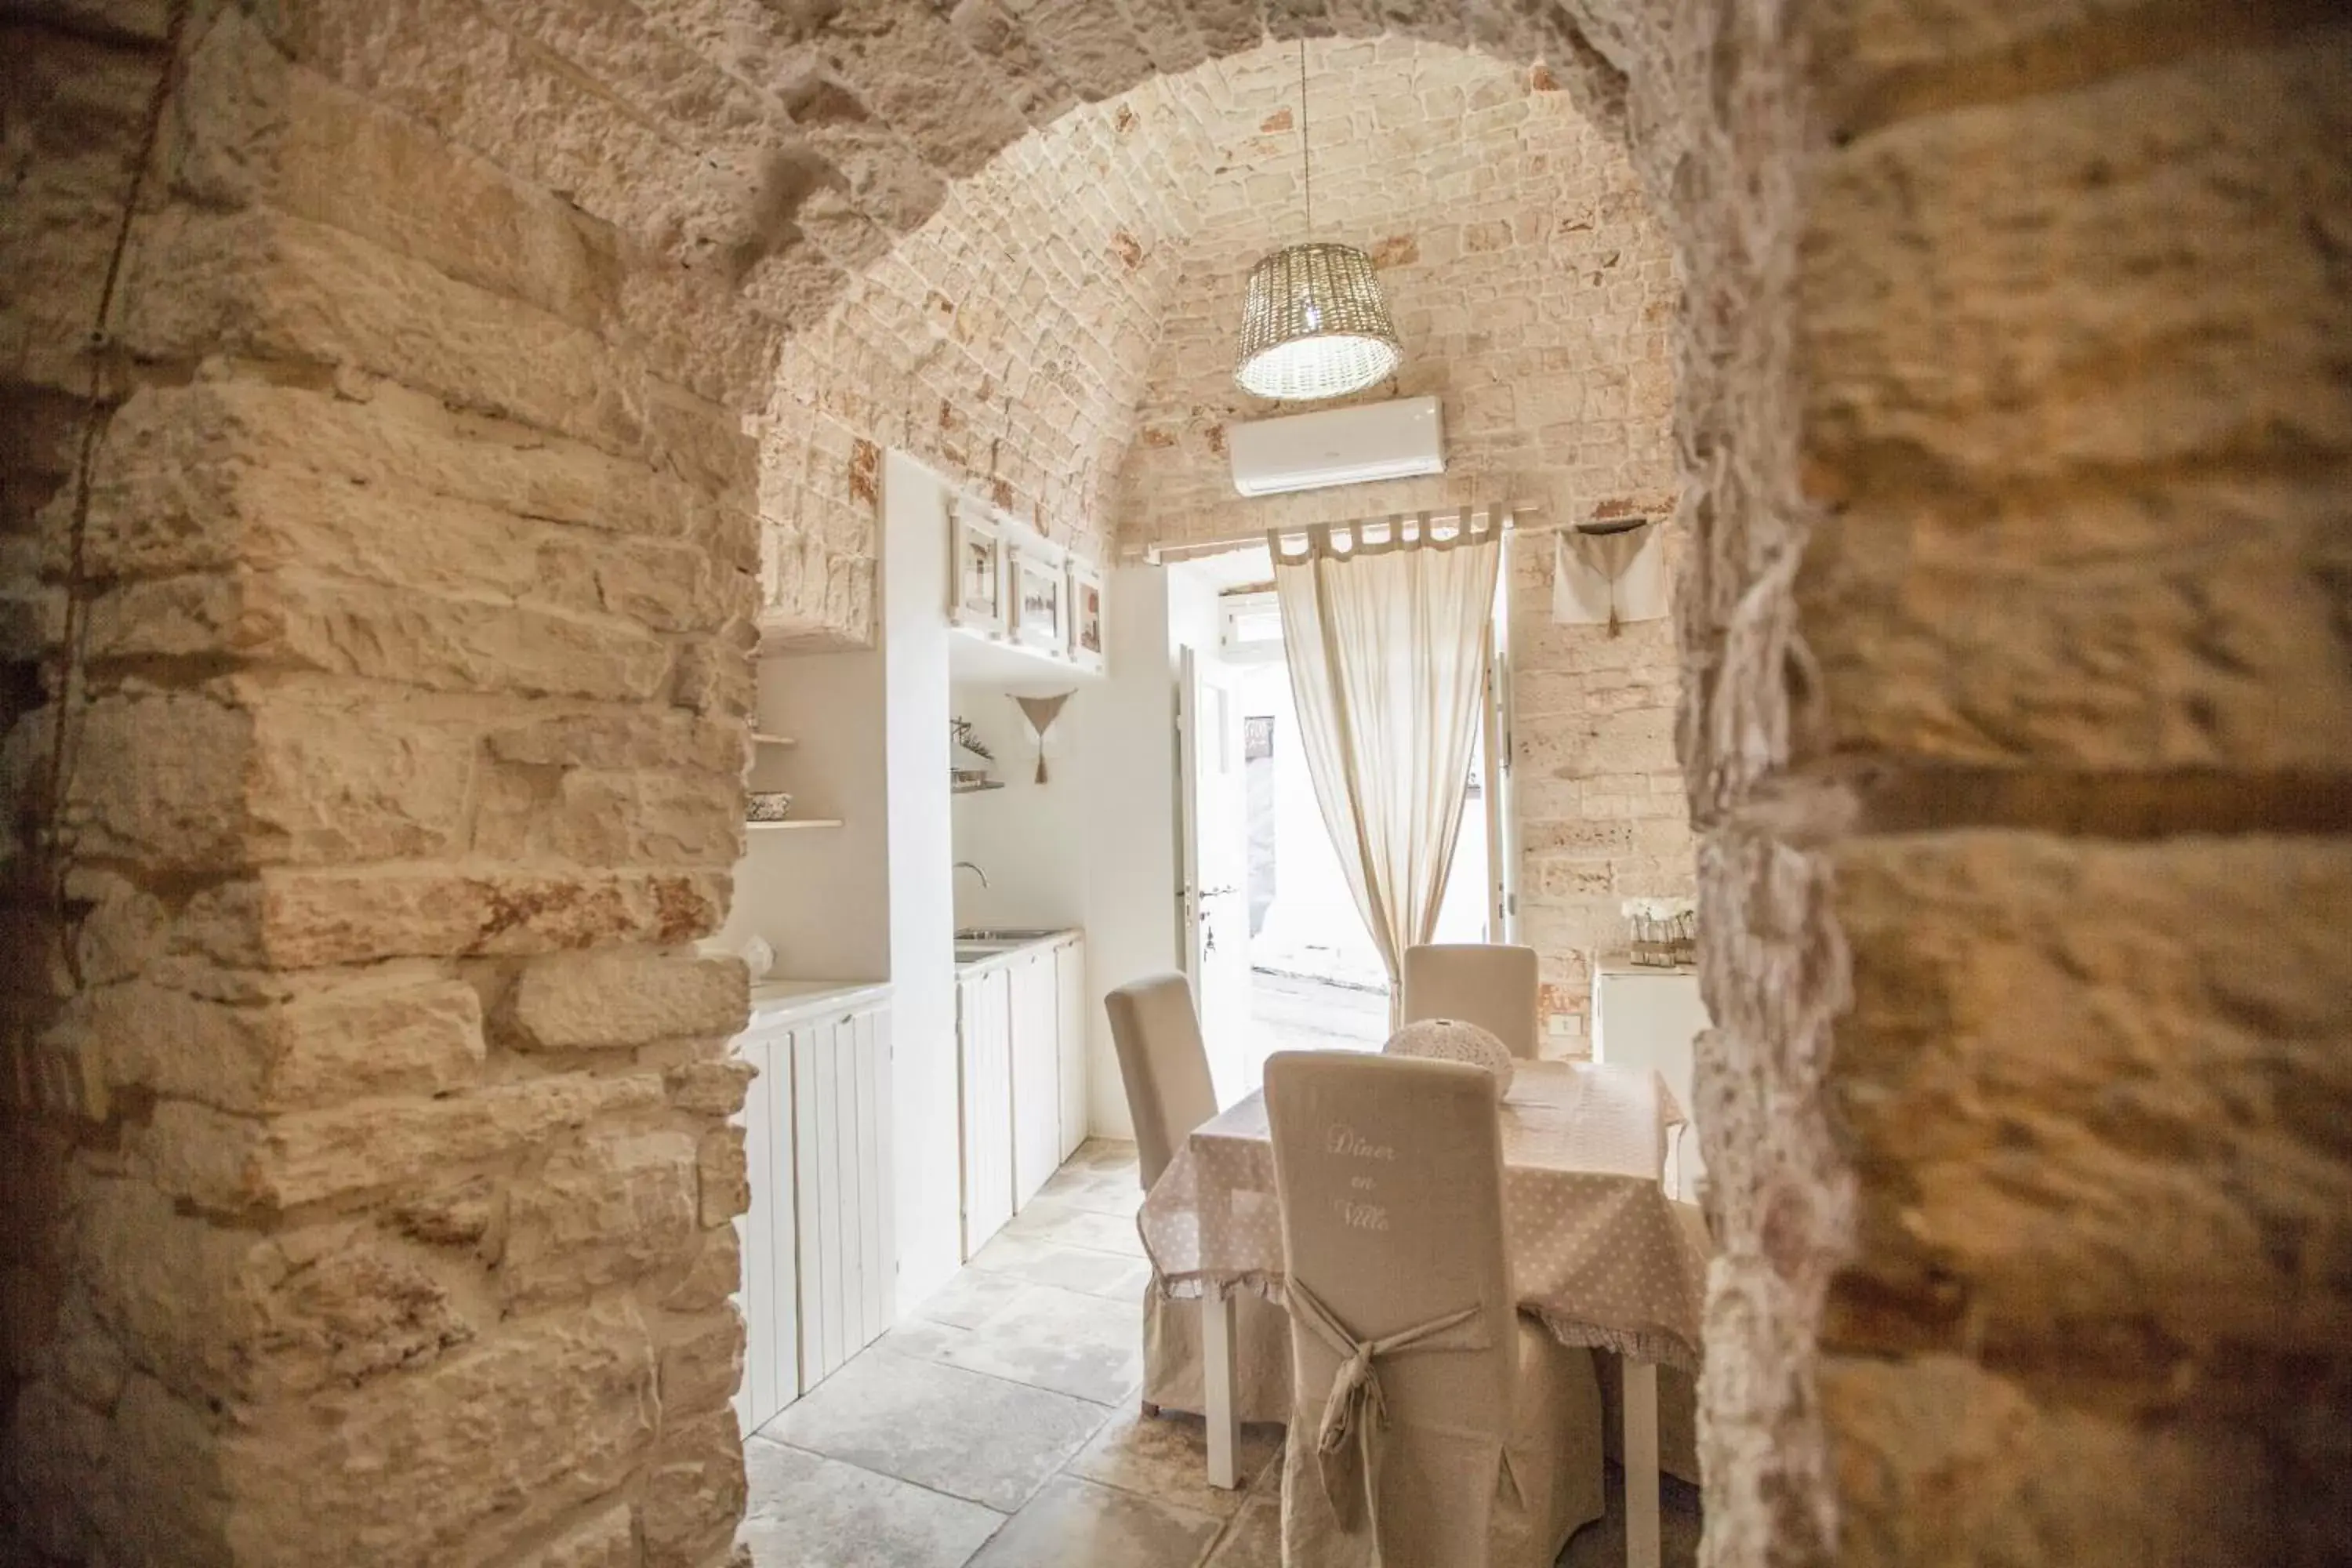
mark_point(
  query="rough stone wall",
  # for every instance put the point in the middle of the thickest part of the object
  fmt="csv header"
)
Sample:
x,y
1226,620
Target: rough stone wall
x,y
1534,293
2074,313
360,1128
358,1213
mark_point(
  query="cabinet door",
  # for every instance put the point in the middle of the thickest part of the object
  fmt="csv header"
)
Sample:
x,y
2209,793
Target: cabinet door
x,y
1036,1073
984,1040
768,1236
1070,980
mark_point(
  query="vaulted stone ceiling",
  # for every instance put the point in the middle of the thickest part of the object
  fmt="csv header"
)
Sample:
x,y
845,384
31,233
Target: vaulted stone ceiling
x,y
1009,339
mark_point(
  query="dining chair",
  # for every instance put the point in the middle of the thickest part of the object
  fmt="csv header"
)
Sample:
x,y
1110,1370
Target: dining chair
x,y
1490,984
1435,1427
1165,1067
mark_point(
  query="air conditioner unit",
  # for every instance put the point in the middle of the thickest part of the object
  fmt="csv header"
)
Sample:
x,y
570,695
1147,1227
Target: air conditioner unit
x,y
1391,440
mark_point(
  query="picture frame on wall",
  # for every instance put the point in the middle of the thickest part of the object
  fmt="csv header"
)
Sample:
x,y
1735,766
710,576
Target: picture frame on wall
x,y
976,573
1085,610
1040,602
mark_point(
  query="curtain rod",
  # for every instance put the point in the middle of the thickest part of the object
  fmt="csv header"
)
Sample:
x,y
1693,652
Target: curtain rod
x,y
1513,516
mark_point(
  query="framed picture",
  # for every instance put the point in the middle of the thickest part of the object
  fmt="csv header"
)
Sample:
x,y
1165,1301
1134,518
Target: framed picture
x,y
976,586
1086,612
1040,611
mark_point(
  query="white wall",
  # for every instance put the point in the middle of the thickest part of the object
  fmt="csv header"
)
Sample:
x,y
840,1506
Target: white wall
x,y
1127,751
1025,835
913,633
833,704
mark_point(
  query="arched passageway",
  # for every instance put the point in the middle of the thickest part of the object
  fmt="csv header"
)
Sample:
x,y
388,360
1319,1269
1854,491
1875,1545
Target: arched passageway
x,y
377,497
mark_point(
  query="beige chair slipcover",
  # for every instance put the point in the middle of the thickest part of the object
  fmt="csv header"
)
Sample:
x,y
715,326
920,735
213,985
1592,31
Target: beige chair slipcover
x,y
1485,984
1434,1427
1169,1092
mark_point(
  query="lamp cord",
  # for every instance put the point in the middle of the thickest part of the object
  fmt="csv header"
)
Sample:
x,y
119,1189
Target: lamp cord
x,y
1305,147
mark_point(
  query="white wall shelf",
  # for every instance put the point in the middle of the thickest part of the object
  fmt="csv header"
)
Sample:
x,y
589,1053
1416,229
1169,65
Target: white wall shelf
x,y
760,740
794,822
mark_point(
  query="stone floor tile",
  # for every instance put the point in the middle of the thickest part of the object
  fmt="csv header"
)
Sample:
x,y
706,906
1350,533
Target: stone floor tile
x,y
1111,1275
1107,1153
1073,1523
1046,1337
1111,1191
974,1437
970,1297
809,1511
1167,1457
1254,1539
1059,1221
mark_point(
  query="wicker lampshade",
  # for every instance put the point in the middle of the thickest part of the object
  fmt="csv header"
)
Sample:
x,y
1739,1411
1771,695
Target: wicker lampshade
x,y
1314,324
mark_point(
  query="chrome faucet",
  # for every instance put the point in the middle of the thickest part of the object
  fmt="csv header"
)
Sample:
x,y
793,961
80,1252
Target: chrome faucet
x,y
968,866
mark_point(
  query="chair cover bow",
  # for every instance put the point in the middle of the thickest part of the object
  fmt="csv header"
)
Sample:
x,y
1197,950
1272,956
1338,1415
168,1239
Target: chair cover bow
x,y
1355,1415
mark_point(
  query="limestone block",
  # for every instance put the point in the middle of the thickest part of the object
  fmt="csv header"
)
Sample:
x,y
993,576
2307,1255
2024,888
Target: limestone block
x,y
227,471
725,1177
694,1492
230,1163
606,1539
712,1088
356,1308
342,777
715,1275
2198,626
703,1366
160,1498
2134,272
598,1000
308,1041
298,920
2095,1097
621,742
668,819
500,1439
1939,1462
613,1207
273,286
1879,59
346,628
159,776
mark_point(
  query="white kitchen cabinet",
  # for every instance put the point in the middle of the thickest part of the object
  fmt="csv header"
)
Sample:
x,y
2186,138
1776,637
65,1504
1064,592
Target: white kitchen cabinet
x,y
1070,980
1020,1037
1036,1005
984,1038
820,1254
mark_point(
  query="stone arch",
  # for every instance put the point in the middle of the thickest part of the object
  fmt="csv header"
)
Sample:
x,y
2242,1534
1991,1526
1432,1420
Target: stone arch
x,y
391,540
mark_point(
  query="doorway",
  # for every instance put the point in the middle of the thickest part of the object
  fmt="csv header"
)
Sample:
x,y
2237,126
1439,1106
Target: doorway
x,y
1279,957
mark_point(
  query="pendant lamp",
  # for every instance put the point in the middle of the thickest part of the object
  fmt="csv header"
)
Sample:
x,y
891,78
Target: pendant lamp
x,y
1314,323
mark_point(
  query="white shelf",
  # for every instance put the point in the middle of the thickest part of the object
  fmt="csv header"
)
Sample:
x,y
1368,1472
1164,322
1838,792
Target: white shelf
x,y
760,740
794,822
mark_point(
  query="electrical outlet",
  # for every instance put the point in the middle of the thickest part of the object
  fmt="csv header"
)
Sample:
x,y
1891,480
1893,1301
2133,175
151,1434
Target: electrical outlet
x,y
1560,1025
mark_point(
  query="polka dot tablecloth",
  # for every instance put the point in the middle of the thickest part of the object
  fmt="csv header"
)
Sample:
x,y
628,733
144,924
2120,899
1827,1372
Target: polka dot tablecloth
x,y
1598,1251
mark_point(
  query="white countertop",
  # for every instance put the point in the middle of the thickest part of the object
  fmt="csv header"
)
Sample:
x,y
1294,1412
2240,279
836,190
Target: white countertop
x,y
1028,944
774,1001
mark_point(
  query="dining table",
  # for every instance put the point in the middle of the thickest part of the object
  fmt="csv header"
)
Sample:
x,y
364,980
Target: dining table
x,y
1600,1254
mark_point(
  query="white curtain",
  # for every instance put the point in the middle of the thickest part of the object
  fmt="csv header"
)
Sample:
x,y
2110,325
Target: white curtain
x,y
1386,637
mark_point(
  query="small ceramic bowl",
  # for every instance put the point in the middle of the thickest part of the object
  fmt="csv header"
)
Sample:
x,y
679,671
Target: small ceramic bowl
x,y
770,804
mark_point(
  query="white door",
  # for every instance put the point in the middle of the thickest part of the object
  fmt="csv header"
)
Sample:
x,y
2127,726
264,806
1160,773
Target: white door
x,y
1212,802
984,1035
